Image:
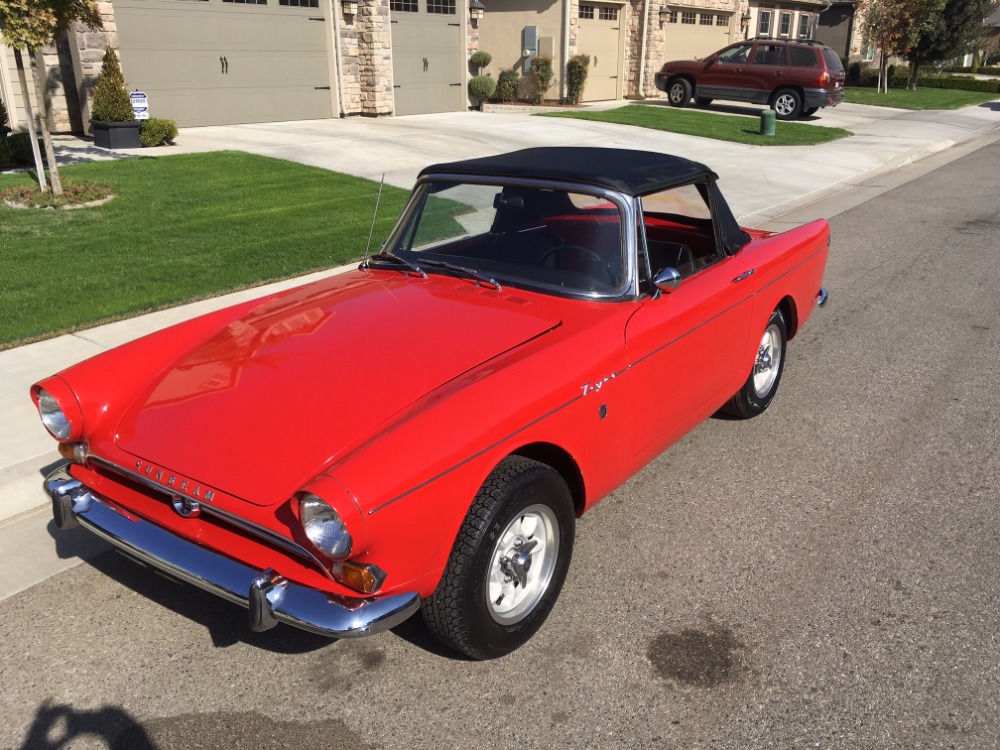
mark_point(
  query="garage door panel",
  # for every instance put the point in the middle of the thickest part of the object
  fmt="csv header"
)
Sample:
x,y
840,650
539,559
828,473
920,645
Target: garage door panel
x,y
276,60
427,59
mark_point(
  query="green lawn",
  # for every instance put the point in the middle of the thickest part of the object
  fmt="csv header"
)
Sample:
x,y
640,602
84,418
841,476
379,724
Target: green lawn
x,y
181,228
709,125
924,98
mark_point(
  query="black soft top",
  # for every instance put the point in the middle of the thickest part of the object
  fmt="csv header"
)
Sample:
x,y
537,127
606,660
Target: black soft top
x,y
635,173
632,172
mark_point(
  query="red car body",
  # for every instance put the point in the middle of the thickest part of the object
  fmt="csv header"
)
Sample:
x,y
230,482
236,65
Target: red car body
x,y
394,395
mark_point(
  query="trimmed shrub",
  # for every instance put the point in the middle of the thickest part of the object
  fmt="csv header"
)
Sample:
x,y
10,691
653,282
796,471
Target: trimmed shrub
x,y
541,77
482,87
576,77
507,85
987,70
111,102
480,59
15,151
966,84
156,131
3,114
853,74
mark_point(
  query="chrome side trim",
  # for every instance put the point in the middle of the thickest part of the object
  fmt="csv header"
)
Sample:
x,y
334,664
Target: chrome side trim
x,y
269,597
288,545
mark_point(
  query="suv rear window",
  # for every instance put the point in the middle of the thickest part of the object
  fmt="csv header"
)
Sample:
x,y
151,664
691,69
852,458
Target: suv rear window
x,y
832,60
803,57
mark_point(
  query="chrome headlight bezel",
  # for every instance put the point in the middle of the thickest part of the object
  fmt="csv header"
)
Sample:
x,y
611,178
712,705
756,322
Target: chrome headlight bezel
x,y
324,527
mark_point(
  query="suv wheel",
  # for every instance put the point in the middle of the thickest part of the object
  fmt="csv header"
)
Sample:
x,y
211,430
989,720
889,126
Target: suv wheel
x,y
679,92
786,103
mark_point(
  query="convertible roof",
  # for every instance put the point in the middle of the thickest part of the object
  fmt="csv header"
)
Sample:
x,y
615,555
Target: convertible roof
x,y
627,171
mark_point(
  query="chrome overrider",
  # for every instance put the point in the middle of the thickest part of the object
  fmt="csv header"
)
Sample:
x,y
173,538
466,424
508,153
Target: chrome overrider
x,y
822,297
270,597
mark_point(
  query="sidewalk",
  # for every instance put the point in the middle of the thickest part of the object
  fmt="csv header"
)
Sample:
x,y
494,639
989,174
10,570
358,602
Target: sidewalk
x,y
760,183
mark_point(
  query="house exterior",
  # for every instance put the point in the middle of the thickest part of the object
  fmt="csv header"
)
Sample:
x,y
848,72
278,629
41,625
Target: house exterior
x,y
215,62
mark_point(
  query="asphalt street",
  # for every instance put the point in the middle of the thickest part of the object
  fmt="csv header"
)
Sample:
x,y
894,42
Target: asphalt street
x,y
824,576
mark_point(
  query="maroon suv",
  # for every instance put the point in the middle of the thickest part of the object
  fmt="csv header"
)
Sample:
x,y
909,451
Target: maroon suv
x,y
793,77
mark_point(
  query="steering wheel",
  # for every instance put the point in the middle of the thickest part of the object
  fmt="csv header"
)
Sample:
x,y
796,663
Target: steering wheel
x,y
597,268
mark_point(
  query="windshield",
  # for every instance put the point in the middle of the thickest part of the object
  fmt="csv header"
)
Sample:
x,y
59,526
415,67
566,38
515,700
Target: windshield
x,y
541,237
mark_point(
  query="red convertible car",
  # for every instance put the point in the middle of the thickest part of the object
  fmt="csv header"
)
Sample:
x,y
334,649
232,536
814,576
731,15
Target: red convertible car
x,y
422,432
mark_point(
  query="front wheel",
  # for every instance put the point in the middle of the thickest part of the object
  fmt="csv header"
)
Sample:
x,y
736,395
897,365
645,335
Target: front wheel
x,y
508,563
759,389
786,103
679,92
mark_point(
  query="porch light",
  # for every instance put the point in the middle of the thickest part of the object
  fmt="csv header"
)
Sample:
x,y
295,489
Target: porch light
x,y
745,20
350,7
664,14
476,10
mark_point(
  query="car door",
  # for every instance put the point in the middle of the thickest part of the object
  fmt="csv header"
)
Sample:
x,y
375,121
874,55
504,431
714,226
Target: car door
x,y
685,347
767,71
722,75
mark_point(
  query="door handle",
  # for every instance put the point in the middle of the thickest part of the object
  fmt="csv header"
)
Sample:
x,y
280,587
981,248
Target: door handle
x,y
745,275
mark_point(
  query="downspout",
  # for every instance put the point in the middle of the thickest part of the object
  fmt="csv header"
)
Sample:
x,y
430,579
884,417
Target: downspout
x,y
563,90
337,63
642,50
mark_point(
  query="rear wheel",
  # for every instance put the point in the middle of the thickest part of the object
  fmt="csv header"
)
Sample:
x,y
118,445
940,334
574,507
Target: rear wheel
x,y
508,563
679,92
787,104
759,389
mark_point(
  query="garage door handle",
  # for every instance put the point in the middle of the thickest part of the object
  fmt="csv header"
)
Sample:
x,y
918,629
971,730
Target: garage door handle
x,y
224,63
317,19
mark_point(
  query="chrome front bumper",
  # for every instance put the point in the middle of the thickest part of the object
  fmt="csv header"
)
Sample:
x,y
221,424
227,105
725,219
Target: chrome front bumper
x,y
269,597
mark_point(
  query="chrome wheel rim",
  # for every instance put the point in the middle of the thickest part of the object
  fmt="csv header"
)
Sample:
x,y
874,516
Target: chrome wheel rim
x,y
522,564
784,104
768,363
677,93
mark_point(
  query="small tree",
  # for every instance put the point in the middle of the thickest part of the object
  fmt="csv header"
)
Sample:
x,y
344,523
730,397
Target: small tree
x,y
953,32
480,60
111,102
3,115
576,77
541,77
31,25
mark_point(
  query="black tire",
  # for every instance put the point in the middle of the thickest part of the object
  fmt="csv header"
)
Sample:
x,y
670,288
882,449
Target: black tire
x,y
810,111
702,101
461,612
787,104
753,399
679,92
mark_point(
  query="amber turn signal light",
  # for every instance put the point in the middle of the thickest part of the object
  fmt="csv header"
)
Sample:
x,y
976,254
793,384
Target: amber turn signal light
x,y
75,452
364,578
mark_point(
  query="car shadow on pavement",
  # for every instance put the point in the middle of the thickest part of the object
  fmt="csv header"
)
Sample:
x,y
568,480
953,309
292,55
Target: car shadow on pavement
x,y
994,106
57,726
226,623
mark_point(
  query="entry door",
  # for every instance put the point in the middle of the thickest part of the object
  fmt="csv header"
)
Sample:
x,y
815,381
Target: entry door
x,y
602,36
427,57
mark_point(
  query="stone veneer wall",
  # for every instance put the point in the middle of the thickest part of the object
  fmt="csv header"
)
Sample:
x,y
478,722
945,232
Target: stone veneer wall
x,y
375,58
350,59
86,47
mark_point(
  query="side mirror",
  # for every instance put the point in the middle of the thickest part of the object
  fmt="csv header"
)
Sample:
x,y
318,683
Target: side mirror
x,y
667,280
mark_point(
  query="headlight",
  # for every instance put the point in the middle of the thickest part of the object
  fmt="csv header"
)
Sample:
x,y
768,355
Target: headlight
x,y
53,417
324,527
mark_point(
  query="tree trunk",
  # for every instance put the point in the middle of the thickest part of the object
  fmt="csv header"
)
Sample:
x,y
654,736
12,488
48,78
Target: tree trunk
x,y
883,73
914,74
22,78
41,77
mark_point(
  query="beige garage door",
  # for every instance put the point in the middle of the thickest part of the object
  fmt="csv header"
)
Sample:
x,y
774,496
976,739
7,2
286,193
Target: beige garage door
x,y
602,36
427,57
694,33
219,62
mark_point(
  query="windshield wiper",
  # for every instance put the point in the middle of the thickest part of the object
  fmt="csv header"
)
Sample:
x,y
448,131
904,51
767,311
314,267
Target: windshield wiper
x,y
480,278
395,260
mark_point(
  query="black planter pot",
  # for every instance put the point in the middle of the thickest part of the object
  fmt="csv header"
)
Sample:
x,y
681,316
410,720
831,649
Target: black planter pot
x,y
116,134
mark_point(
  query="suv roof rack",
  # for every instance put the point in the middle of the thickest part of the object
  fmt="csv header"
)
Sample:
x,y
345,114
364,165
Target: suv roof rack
x,y
813,42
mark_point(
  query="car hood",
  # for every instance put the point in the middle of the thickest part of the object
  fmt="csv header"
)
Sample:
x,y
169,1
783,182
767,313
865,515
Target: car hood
x,y
269,400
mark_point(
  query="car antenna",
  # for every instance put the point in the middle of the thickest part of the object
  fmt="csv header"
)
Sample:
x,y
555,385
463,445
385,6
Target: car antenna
x,y
371,232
